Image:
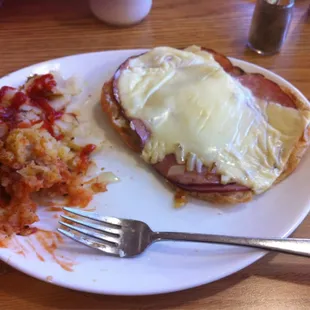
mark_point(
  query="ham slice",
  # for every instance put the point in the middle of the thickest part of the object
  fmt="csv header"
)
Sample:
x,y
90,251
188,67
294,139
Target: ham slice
x,y
140,128
225,63
208,180
266,89
260,86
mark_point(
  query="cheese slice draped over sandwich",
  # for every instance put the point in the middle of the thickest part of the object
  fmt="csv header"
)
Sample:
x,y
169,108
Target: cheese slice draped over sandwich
x,y
203,115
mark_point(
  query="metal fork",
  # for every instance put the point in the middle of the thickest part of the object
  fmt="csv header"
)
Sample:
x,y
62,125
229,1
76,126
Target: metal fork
x,y
127,238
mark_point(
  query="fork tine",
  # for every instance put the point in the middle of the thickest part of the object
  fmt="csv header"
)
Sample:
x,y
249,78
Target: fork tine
x,y
93,244
95,216
91,233
94,226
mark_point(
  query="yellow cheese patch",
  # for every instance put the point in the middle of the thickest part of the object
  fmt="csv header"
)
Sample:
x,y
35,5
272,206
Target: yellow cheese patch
x,y
191,104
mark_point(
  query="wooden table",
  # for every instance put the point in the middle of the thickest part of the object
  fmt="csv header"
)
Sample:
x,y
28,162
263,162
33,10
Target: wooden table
x,y
33,30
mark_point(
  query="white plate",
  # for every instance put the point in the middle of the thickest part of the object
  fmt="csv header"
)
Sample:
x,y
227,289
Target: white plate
x,y
164,267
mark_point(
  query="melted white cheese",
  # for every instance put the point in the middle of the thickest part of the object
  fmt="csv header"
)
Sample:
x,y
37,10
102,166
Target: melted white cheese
x,y
188,101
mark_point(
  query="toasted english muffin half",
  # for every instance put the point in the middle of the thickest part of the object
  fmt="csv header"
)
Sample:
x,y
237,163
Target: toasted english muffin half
x,y
136,97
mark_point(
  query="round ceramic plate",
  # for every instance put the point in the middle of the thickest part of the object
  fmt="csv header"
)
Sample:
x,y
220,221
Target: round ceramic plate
x,y
167,266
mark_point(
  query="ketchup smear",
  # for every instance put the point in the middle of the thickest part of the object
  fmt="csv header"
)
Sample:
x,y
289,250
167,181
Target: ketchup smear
x,y
3,91
86,150
42,86
37,93
50,116
8,114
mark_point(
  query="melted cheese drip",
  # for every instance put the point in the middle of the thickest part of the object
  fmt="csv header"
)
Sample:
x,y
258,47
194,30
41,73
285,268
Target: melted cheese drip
x,y
186,99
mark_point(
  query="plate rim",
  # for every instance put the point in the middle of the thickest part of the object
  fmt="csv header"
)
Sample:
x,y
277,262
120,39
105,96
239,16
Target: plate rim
x,y
243,263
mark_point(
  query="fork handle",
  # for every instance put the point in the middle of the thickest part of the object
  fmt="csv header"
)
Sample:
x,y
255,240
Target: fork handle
x,y
294,246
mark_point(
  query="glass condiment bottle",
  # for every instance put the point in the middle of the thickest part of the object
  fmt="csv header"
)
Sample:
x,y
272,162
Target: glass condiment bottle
x,y
270,24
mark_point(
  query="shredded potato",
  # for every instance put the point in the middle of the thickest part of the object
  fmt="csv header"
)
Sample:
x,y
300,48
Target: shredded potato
x,y
35,155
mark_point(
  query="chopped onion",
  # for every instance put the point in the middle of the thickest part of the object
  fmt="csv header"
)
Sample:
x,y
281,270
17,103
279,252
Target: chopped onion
x,y
27,116
38,125
67,123
132,126
70,118
107,178
28,107
225,179
60,102
76,112
104,178
65,87
198,165
179,154
176,170
73,86
82,130
92,170
190,163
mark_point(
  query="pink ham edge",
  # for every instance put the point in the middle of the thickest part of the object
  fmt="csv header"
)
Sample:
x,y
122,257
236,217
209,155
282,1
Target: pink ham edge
x,y
220,188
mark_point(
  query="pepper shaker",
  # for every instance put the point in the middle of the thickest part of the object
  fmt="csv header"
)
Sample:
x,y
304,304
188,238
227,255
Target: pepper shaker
x,y
270,24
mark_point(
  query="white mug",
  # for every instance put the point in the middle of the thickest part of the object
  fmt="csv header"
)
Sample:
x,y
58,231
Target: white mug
x,y
120,12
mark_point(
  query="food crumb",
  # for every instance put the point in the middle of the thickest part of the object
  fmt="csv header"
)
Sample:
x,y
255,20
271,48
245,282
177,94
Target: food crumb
x,y
49,279
180,199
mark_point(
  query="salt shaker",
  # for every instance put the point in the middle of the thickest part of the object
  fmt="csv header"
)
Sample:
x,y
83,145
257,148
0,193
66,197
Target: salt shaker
x,y
120,12
270,24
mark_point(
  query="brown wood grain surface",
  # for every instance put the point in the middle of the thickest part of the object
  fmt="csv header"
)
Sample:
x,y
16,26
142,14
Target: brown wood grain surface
x,y
33,30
